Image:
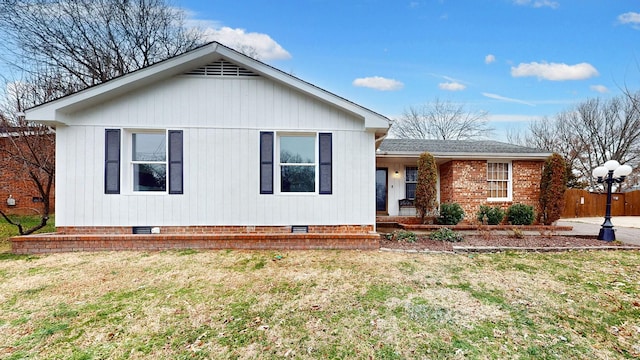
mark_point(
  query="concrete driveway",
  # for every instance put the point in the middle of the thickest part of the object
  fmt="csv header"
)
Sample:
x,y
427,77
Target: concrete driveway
x,y
627,228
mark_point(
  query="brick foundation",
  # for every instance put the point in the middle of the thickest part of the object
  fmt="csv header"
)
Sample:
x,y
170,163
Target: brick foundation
x,y
191,230
69,239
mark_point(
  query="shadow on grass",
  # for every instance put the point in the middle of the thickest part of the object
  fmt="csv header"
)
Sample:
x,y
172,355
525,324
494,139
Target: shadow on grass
x,y
7,255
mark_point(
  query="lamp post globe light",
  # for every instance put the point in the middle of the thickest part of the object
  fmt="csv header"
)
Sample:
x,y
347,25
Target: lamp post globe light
x,y
611,172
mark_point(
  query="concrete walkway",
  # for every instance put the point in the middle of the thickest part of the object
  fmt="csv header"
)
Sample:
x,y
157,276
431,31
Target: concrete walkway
x,y
627,228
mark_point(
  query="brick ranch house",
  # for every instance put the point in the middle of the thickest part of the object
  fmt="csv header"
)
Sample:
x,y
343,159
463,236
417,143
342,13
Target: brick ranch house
x,y
213,149
470,173
210,149
18,194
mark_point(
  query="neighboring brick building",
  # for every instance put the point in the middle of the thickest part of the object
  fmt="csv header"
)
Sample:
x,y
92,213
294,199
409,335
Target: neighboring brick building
x,y
471,173
16,184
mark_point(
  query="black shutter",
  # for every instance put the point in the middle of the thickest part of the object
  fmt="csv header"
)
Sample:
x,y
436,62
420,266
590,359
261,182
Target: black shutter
x,y
325,163
112,161
175,162
266,162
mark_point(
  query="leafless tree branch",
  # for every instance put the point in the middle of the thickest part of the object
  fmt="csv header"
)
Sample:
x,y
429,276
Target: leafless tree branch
x,y
443,120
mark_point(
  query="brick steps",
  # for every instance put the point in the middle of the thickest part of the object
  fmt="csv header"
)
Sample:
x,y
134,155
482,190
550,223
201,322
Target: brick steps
x,y
53,243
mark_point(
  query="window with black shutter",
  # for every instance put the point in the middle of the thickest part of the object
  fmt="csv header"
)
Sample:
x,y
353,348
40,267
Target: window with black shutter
x,y
325,173
266,162
175,162
112,161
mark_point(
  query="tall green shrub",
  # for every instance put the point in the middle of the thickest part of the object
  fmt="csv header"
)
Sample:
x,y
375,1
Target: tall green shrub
x,y
552,187
426,190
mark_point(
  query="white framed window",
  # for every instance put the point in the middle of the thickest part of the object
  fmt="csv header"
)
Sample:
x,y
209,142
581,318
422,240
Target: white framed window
x,y
152,161
410,182
149,161
300,163
499,181
297,163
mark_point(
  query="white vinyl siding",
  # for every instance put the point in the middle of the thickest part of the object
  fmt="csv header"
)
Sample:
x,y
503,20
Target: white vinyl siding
x,y
221,119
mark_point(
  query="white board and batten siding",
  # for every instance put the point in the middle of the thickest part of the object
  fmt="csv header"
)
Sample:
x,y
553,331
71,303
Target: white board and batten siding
x,y
221,119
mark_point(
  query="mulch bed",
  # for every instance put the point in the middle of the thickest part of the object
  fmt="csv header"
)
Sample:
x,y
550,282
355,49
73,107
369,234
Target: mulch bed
x,y
498,241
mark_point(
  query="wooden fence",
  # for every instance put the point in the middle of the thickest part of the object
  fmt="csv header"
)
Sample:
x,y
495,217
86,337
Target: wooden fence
x,y
581,203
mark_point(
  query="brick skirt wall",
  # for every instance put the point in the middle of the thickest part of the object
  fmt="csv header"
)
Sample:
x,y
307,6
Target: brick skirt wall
x,y
359,237
320,229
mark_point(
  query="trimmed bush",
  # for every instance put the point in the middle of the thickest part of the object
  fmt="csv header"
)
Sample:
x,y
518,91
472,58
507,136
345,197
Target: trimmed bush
x,y
446,234
520,214
494,215
450,214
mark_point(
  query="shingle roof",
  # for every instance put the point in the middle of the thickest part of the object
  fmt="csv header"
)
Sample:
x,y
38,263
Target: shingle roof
x,y
454,146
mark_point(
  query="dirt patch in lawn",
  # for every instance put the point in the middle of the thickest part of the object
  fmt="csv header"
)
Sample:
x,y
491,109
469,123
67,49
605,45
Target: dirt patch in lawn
x,y
424,243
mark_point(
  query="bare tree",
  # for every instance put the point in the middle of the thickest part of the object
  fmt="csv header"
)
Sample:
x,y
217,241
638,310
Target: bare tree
x,y
590,133
31,149
443,120
62,46
86,42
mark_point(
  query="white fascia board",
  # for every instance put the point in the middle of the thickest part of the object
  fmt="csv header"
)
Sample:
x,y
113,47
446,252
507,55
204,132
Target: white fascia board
x,y
467,156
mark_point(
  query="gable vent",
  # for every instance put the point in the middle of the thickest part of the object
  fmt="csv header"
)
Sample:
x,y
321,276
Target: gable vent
x,y
221,68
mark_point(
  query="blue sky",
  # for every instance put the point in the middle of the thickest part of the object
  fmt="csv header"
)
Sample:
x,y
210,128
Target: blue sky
x,y
517,59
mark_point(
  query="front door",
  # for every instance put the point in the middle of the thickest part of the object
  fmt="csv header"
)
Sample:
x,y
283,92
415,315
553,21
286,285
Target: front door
x,y
381,190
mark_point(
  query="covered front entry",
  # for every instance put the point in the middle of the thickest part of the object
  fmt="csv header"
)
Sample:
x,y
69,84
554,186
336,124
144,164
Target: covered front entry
x,y
381,190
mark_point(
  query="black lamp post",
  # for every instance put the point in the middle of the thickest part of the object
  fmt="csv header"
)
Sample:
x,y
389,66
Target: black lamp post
x,y
611,172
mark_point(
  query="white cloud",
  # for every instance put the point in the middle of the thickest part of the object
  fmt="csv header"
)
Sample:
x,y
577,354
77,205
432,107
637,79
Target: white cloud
x,y
260,46
504,98
452,86
489,59
378,83
538,3
257,45
599,88
632,18
555,71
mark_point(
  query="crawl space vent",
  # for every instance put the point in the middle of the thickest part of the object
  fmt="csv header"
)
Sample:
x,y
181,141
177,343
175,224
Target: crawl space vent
x,y
142,229
222,68
297,229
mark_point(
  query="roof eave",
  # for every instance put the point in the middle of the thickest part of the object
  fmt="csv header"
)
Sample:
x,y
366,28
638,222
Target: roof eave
x,y
52,112
467,155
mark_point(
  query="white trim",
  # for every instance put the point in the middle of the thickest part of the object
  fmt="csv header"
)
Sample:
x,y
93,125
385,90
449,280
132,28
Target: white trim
x,y
128,162
276,162
409,182
466,156
509,181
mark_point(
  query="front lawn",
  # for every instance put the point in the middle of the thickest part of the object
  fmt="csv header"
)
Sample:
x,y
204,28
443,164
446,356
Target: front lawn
x,y
320,304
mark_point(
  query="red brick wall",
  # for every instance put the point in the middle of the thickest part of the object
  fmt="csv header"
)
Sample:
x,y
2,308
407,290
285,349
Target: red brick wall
x,y
123,230
52,243
15,181
465,182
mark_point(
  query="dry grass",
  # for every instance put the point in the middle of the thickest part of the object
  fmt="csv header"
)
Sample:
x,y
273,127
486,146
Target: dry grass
x,y
320,304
